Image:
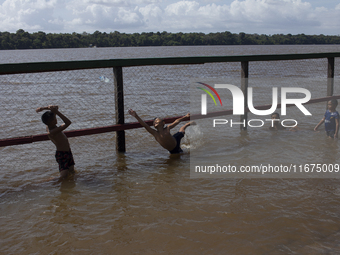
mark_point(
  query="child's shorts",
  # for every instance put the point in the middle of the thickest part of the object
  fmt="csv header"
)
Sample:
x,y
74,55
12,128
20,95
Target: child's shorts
x,y
330,133
178,136
64,159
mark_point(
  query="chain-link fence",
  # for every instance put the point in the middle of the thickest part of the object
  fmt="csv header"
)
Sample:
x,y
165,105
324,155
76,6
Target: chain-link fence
x,y
87,98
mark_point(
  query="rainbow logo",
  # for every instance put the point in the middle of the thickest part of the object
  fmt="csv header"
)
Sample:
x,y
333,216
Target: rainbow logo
x,y
208,92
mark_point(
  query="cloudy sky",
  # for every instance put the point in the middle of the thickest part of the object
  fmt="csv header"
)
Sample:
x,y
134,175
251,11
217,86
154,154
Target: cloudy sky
x,y
130,16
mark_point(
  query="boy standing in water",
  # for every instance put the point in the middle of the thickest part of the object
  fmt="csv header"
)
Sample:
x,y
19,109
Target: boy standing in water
x,y
331,120
63,154
162,134
276,124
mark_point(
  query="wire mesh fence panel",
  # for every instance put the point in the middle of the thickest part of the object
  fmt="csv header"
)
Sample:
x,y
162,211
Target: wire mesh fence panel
x,y
289,68
86,97
163,91
310,74
81,95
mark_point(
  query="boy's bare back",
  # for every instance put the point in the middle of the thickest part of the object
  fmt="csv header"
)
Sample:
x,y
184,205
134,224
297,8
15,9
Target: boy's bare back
x,y
60,140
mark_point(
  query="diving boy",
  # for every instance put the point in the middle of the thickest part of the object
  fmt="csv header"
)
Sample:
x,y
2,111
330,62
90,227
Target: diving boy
x,y
331,119
162,134
63,154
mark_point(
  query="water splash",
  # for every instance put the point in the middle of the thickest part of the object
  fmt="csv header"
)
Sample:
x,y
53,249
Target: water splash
x,y
193,137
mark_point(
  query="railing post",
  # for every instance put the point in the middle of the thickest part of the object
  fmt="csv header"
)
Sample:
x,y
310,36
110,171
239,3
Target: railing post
x,y
244,88
330,76
119,107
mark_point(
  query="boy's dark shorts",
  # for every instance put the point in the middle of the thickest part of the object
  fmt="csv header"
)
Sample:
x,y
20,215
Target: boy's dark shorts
x,y
64,159
330,133
178,136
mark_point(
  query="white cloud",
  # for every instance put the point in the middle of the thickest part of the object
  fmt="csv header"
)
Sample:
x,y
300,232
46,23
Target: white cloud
x,y
30,15
127,17
250,16
182,8
269,11
150,10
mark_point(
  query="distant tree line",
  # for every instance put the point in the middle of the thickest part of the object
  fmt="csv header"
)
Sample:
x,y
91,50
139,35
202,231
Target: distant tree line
x,y
40,40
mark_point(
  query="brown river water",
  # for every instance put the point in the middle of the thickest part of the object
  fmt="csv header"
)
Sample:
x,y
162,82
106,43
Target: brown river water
x,y
145,201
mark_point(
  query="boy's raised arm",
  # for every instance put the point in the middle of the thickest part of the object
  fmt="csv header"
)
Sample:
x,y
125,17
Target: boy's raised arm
x,y
40,109
63,126
67,122
146,126
176,122
50,107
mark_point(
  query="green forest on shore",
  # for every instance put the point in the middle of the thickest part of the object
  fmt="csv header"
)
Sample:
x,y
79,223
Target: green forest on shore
x,y
40,40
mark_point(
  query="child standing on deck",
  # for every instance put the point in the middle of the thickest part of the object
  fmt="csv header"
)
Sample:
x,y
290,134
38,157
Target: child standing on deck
x,y
162,134
63,154
331,120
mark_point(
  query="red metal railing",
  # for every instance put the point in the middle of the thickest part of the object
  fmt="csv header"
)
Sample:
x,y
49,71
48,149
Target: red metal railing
x,y
127,126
